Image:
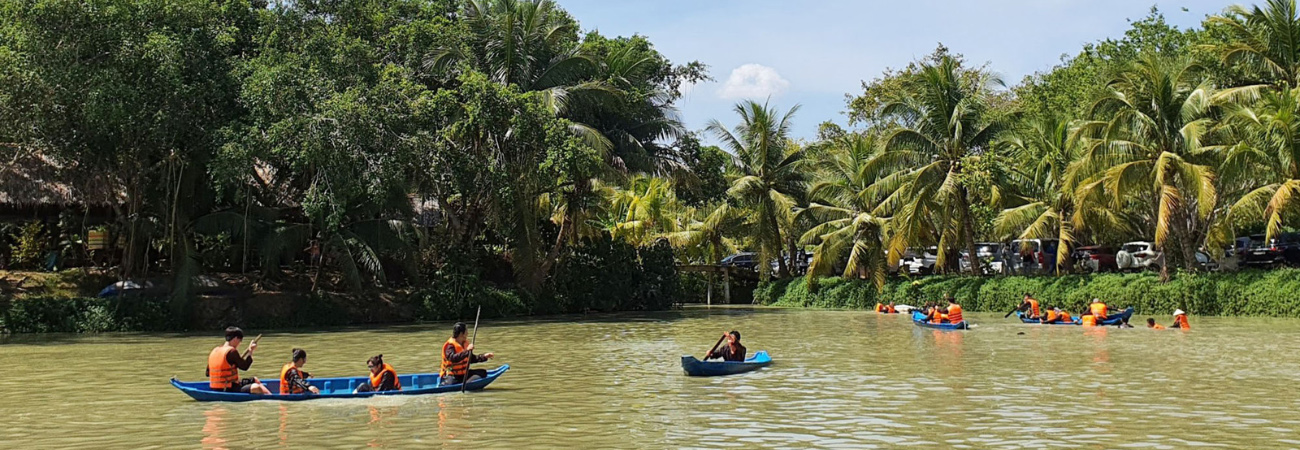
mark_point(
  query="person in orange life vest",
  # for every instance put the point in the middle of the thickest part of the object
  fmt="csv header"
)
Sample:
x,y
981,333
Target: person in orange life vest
x,y
1088,320
954,311
733,351
1053,316
880,307
293,380
1151,323
1098,309
1180,320
457,355
224,364
891,309
1029,306
1063,315
382,376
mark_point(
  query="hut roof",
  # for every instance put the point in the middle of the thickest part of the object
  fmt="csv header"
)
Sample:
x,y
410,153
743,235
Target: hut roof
x,y
33,179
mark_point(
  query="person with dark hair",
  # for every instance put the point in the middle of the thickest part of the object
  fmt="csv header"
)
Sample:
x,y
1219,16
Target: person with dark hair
x,y
382,376
1029,306
225,362
733,351
1151,323
457,355
293,380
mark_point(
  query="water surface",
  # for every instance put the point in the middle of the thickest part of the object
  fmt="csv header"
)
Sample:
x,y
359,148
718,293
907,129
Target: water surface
x,y
841,380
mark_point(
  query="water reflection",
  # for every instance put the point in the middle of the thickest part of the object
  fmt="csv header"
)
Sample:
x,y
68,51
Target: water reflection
x,y
214,426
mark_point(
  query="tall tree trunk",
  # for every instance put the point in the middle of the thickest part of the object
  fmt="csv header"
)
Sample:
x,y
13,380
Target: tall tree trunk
x,y
968,231
782,270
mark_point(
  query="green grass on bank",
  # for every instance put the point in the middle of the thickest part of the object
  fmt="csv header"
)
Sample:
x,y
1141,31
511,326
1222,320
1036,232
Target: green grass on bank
x,y
1247,293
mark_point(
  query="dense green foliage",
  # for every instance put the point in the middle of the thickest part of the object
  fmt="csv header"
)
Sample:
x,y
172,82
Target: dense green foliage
x,y
1247,293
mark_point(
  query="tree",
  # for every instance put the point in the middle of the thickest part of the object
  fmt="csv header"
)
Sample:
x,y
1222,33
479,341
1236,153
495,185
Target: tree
x,y
1153,147
1267,158
942,124
1264,40
765,173
843,200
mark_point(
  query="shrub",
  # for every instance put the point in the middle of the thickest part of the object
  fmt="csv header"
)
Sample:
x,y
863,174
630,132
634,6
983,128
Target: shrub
x,y
1249,293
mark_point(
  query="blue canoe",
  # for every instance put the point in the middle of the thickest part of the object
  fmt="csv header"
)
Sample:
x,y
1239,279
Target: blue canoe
x,y
919,319
696,368
413,384
1116,319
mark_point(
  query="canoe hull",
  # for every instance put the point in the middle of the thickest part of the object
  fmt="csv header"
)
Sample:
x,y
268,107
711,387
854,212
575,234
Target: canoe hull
x,y
920,321
1121,317
696,368
413,384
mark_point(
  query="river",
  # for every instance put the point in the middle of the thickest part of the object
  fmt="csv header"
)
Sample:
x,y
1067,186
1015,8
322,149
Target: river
x,y
841,379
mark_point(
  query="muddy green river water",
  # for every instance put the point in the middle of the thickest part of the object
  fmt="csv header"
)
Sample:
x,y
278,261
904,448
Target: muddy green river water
x,y
841,379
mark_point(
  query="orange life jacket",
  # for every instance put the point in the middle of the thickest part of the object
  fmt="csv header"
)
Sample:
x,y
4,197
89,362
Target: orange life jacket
x,y
880,308
1181,321
1158,327
1065,316
455,369
285,388
1098,310
954,313
377,379
1033,307
1051,315
1089,321
221,374
889,309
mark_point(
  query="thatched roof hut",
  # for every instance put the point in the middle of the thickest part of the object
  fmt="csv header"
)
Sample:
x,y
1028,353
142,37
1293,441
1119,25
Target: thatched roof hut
x,y
30,181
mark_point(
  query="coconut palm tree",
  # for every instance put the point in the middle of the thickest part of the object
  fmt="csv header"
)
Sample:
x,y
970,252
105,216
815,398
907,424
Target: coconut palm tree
x,y
1153,148
765,173
944,124
1268,156
644,210
1266,40
841,203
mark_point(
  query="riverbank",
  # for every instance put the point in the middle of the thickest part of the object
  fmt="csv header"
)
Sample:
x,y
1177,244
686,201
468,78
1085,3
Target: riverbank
x,y
67,302
1269,293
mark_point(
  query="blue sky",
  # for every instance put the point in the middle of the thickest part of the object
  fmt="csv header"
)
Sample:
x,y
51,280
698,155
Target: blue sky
x,y
812,53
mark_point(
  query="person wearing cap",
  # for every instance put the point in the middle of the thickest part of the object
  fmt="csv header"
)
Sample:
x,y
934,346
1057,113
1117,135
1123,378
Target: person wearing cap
x,y
457,355
1180,320
1098,309
733,351
1151,323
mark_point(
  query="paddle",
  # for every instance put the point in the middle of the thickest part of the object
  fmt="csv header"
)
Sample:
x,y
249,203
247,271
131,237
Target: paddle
x,y
465,382
250,346
715,347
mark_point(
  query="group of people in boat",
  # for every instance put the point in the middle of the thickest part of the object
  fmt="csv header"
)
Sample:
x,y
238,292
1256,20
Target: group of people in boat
x,y
950,312
225,362
1096,313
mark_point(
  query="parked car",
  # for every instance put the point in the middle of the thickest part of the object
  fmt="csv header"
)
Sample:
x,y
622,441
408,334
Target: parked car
x,y
1137,256
743,260
1034,255
1096,258
1282,249
923,263
990,255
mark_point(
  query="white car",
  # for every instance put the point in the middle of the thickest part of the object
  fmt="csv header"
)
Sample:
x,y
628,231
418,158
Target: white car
x,y
922,264
1138,256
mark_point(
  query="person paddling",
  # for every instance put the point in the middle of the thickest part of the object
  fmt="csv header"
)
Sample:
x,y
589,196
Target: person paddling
x,y
457,355
1180,320
382,376
733,351
293,380
1029,306
225,362
1151,323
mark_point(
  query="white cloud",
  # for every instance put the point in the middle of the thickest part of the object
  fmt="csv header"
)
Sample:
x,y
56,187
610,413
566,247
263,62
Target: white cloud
x,y
753,81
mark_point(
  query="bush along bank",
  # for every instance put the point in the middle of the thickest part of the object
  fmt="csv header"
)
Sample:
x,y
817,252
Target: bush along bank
x,y
1246,293
603,276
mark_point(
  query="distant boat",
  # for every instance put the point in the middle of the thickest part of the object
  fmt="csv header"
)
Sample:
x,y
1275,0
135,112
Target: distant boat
x,y
696,368
413,384
1121,317
921,321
